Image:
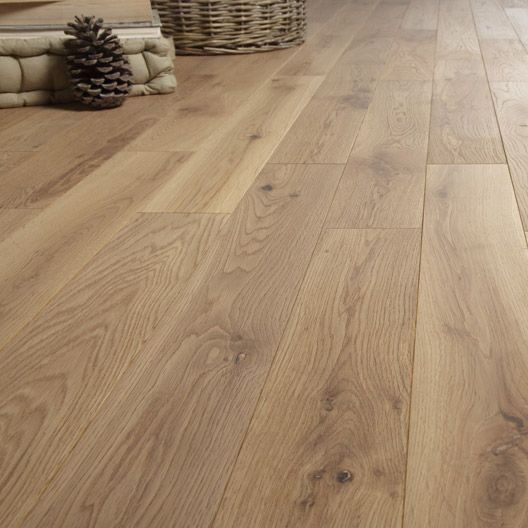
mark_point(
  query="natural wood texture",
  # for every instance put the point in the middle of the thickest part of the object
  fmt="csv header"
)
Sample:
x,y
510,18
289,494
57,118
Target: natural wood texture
x,y
12,219
60,12
511,102
254,369
384,178
319,54
457,49
505,59
467,459
333,116
519,19
34,131
324,460
37,260
215,179
411,57
109,310
215,350
421,14
463,124
491,20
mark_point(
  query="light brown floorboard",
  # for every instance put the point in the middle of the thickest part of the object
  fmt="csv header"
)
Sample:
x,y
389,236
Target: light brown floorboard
x,y
38,259
326,459
468,443
162,456
384,178
60,370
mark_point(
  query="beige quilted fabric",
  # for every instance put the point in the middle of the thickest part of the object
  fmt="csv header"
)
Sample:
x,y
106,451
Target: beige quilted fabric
x,y
33,71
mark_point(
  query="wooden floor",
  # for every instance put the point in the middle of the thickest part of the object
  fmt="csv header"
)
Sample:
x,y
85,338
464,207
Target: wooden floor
x,y
292,294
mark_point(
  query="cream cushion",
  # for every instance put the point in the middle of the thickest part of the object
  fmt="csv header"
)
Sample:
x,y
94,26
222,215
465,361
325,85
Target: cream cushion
x,y
33,71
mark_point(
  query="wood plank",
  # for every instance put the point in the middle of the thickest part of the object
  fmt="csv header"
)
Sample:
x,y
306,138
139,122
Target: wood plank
x,y
463,124
37,260
519,19
491,20
69,358
383,182
211,102
457,48
468,442
511,103
208,360
421,14
12,219
325,459
505,60
33,132
9,160
412,57
72,154
327,127
319,54
215,178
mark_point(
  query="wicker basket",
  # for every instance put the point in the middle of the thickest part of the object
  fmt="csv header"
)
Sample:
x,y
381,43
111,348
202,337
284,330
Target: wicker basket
x,y
208,27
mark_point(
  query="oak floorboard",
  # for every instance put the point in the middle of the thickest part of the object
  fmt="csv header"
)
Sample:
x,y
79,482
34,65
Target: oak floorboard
x,y
519,19
61,368
505,60
215,178
383,182
335,453
457,48
468,438
327,127
38,259
319,54
421,14
12,219
160,451
69,157
491,20
463,124
411,57
35,129
511,103
216,96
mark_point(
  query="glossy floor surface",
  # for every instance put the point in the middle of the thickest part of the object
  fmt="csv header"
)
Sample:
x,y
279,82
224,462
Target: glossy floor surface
x,y
292,294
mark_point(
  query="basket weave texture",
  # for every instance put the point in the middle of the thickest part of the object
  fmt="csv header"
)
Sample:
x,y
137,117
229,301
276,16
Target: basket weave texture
x,y
209,27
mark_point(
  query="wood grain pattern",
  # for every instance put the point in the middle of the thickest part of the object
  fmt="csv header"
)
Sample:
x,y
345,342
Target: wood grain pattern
x,y
519,19
61,369
210,100
491,20
421,14
326,459
333,116
463,124
505,59
71,155
37,260
469,406
321,52
457,49
411,57
384,178
218,349
12,219
215,179
511,102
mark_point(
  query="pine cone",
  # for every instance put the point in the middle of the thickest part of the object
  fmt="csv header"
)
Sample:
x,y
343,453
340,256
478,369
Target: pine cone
x,y
99,71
